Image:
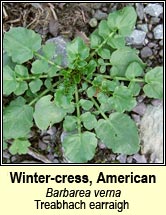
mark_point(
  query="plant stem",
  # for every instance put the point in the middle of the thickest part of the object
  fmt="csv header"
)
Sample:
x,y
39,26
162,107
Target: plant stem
x,y
78,109
102,44
31,78
121,78
42,94
49,61
98,108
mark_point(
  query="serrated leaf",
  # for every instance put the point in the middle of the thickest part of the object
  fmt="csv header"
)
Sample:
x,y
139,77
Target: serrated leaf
x,y
123,20
79,148
121,58
20,43
133,70
119,133
35,85
21,87
17,119
19,147
86,104
154,80
47,113
123,99
89,120
39,67
9,80
70,123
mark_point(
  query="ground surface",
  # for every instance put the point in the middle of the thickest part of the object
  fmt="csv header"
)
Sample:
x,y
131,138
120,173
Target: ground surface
x,y
70,20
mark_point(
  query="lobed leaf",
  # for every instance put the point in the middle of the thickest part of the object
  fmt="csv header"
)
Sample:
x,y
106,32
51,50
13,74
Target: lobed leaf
x,y
47,113
17,119
9,80
154,80
19,146
79,148
123,20
89,120
119,133
35,85
20,43
123,99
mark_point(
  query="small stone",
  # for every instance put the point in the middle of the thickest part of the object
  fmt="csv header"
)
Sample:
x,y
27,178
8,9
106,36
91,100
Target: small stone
x,y
161,52
99,15
150,35
143,27
60,48
140,158
146,52
158,32
155,20
93,22
122,158
96,5
140,10
161,43
136,38
154,9
151,45
139,109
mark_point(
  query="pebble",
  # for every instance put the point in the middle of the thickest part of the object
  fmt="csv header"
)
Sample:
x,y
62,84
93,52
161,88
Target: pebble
x,y
122,158
153,9
158,32
161,43
146,52
161,52
140,10
99,15
140,109
143,27
93,22
136,38
60,48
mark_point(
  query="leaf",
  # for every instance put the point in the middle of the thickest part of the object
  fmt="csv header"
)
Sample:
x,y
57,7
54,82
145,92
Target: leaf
x,y
109,86
7,60
19,146
17,119
116,42
77,48
91,92
104,53
123,20
35,85
123,99
95,41
133,70
90,68
104,30
21,71
89,120
102,97
49,50
121,58
86,104
47,113
64,101
134,88
21,87
79,148
119,133
39,67
154,80
9,80
70,123
20,43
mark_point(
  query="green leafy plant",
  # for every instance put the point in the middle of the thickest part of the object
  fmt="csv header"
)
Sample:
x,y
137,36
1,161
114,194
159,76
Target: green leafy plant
x,y
91,96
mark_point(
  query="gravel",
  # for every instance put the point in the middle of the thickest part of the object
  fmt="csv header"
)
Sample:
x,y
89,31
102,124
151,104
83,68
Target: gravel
x,y
154,9
158,32
146,52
